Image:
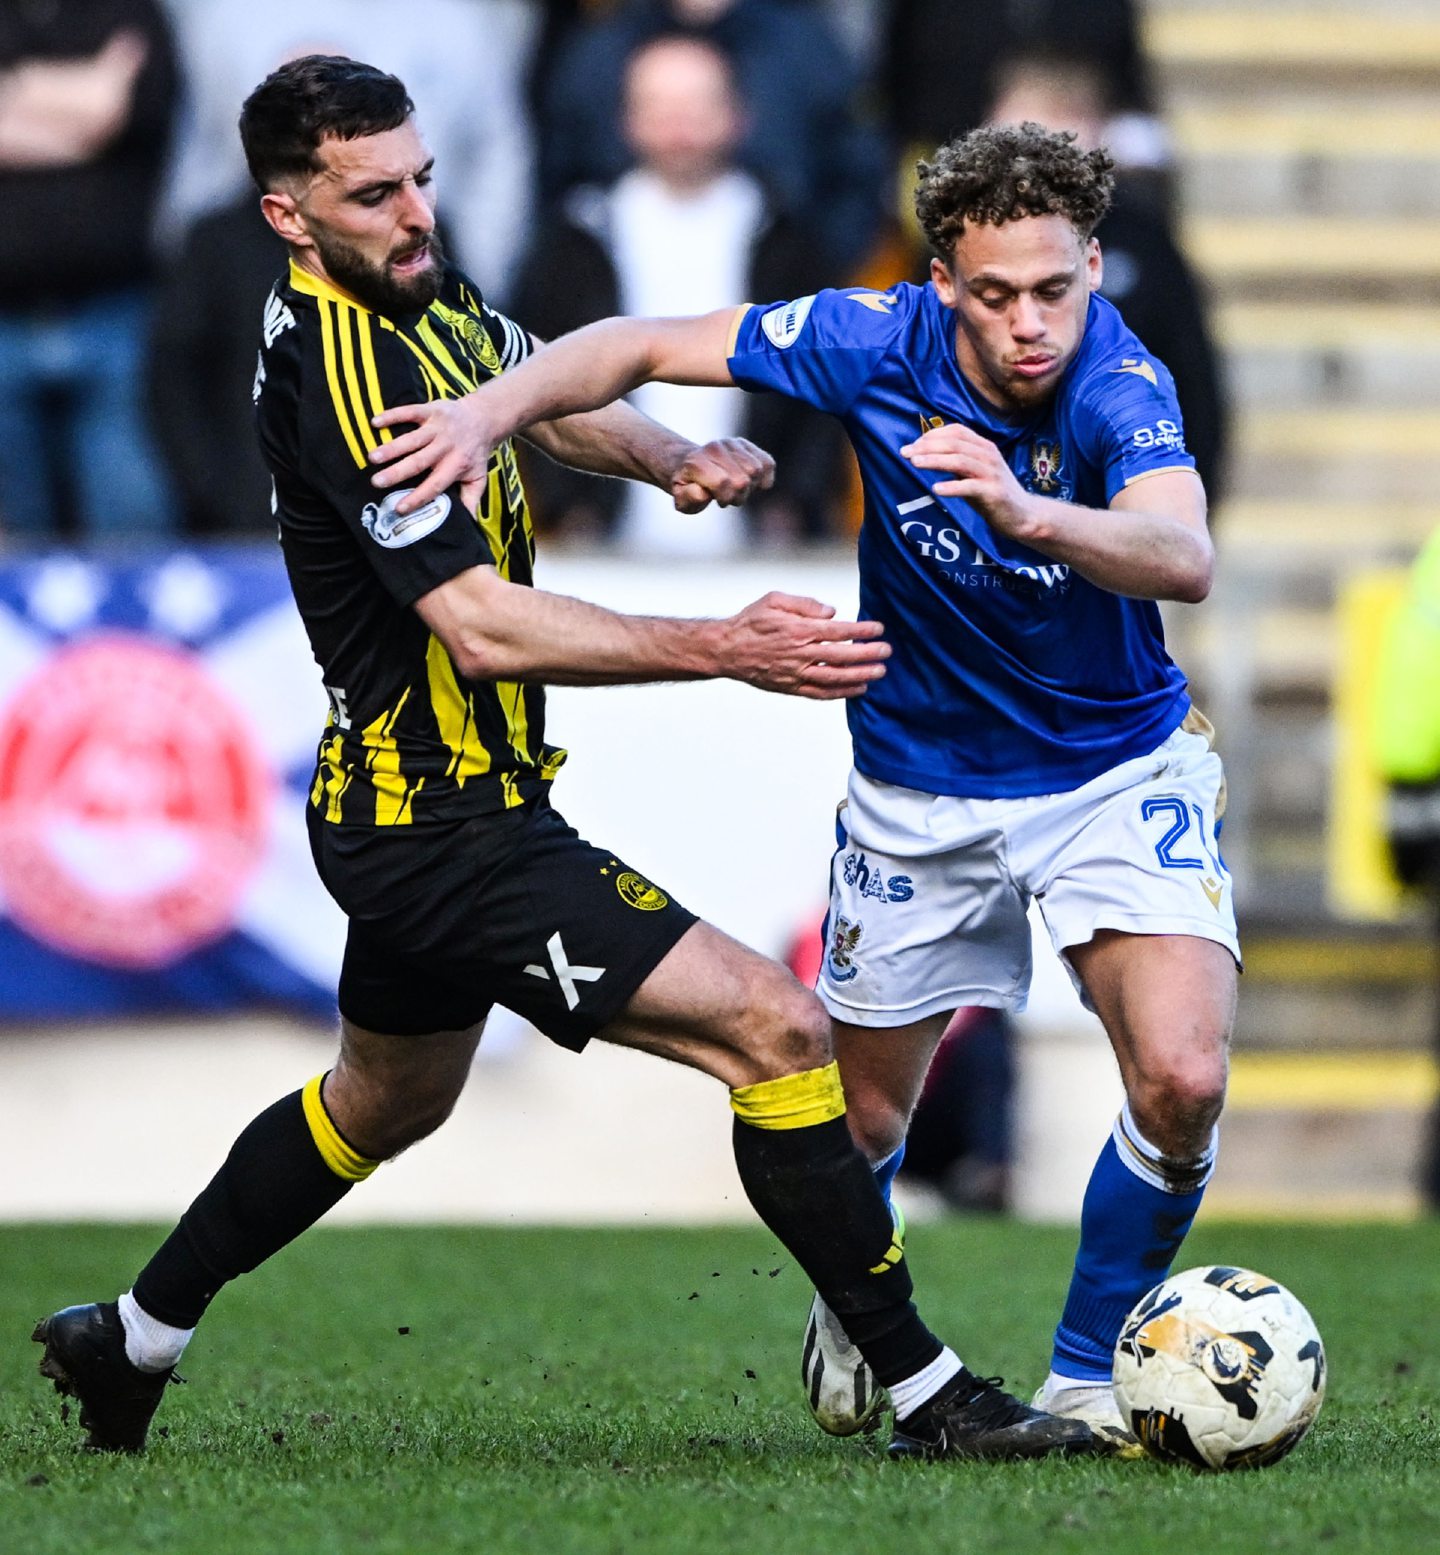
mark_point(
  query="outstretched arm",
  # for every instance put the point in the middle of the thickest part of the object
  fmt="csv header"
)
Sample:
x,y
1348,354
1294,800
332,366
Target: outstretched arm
x,y
619,440
497,630
451,440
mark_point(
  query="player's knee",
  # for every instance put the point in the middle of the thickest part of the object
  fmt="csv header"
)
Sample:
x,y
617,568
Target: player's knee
x,y
381,1119
1180,1102
787,1028
420,1118
877,1125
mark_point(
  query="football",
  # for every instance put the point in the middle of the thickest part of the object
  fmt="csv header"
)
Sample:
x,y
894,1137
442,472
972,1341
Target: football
x,y
1219,1368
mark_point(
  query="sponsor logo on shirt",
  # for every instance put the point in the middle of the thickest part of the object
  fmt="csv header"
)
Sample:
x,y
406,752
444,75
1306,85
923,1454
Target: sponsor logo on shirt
x,y
938,543
396,530
1164,434
782,325
877,302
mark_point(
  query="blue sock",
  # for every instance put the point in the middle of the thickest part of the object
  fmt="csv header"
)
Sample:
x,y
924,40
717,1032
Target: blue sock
x,y
884,1171
1138,1207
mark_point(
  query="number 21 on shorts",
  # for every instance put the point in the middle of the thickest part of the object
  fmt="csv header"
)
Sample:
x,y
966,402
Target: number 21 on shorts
x,y
1184,833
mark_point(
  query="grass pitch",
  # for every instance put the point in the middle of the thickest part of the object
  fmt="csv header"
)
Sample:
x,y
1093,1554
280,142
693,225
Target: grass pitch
x,y
578,1392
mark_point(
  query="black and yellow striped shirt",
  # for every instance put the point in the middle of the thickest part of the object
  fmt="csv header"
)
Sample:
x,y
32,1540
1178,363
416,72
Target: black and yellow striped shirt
x,y
408,739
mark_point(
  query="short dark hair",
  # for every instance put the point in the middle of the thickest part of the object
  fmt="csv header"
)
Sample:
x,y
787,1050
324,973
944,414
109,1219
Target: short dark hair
x,y
1002,173
307,99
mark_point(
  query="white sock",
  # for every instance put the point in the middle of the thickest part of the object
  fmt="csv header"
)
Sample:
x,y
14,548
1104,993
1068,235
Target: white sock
x,y
1151,1165
907,1396
150,1344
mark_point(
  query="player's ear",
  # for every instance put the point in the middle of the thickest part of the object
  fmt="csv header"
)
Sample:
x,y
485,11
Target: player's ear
x,y
1094,264
944,282
281,211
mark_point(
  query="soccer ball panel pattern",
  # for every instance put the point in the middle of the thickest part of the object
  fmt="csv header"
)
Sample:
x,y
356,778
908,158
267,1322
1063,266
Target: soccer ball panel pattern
x,y
1219,1368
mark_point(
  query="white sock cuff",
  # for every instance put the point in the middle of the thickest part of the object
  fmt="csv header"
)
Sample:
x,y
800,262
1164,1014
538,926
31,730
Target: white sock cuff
x,y
150,1344
1152,1166
907,1396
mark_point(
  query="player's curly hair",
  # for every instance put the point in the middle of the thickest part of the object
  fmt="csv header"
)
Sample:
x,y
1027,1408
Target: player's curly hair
x,y
1000,174
295,107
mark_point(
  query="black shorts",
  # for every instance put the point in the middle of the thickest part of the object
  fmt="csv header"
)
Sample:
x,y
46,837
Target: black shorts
x,y
514,909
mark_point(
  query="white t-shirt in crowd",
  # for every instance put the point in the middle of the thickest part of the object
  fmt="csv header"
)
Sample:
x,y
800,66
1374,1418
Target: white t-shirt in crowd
x,y
683,253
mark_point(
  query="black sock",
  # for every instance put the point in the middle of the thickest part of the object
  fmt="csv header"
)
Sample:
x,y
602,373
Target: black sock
x,y
287,1168
814,1190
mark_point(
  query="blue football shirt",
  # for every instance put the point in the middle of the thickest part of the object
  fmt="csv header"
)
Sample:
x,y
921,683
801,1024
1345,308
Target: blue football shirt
x,y
1011,674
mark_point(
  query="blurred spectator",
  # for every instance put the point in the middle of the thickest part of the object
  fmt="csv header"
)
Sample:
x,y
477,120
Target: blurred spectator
x,y
962,1136
942,56
1407,752
202,367
961,1139
804,134
87,93
684,231
857,24
464,63
1146,275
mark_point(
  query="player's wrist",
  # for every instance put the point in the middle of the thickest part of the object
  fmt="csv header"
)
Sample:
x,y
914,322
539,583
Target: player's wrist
x,y
669,458
710,650
487,419
1035,519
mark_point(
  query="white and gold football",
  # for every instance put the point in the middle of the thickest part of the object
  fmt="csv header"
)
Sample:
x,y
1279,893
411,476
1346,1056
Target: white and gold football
x,y
1219,1368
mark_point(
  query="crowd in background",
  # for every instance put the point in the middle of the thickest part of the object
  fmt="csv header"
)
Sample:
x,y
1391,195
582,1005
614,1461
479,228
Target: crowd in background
x,y
592,157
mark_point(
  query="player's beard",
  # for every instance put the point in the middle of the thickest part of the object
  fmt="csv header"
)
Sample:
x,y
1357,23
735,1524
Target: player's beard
x,y
375,285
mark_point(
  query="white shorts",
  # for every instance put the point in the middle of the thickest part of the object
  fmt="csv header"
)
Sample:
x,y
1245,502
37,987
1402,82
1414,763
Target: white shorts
x,y
929,894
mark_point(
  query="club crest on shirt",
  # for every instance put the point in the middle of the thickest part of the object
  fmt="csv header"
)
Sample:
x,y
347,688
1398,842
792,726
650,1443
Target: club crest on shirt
x,y
1046,460
473,333
844,937
636,891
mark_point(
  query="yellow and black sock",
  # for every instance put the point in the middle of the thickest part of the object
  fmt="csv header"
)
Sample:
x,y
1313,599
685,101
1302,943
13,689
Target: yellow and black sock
x,y
815,1191
287,1168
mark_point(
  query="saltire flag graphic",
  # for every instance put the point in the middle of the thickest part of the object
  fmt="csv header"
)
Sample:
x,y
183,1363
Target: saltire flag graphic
x,y
158,723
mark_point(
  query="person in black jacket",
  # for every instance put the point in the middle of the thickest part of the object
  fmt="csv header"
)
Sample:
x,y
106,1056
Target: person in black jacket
x,y
1146,274
87,95
202,365
684,222
941,56
807,132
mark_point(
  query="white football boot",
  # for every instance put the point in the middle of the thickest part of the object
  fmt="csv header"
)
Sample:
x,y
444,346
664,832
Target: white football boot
x,y
840,1388
1094,1403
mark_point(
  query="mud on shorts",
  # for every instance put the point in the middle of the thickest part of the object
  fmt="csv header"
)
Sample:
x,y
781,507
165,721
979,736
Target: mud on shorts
x,y
517,909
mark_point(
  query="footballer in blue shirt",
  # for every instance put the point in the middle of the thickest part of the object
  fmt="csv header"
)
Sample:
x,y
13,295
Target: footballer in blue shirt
x,y
1028,500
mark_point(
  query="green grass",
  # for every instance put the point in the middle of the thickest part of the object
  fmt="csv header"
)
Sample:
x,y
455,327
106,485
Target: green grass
x,y
635,1392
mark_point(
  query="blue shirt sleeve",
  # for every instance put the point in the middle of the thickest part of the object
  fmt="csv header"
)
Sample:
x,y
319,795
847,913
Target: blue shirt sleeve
x,y
819,349
1131,421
